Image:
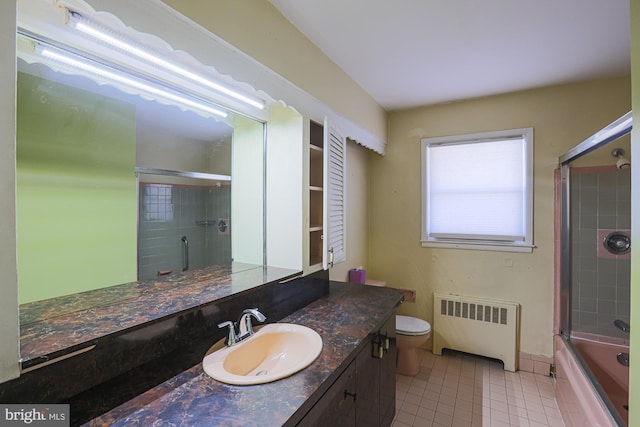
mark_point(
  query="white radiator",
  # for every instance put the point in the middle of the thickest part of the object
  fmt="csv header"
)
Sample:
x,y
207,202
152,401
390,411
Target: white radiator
x,y
478,326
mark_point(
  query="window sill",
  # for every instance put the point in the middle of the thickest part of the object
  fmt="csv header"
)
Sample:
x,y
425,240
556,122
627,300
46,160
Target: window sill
x,y
492,246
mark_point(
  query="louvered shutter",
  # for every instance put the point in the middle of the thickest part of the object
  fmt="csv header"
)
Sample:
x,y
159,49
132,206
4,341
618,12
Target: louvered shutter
x,y
334,183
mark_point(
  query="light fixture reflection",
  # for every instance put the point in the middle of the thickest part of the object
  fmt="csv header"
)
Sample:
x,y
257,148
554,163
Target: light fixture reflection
x,y
109,37
116,77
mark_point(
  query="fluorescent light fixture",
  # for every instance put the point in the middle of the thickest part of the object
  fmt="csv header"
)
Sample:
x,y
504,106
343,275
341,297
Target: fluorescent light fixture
x,y
105,35
117,77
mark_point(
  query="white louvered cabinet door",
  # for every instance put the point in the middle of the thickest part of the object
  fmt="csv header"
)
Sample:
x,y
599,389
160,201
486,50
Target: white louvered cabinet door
x,y
334,214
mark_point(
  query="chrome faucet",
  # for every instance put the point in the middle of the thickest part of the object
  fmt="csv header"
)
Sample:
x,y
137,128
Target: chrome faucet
x,y
245,328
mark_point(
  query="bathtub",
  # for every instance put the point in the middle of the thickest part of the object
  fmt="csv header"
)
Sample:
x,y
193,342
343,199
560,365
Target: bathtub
x,y
601,358
578,399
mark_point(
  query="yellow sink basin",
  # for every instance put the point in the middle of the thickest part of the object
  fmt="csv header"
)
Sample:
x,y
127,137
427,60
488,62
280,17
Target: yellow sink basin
x,y
275,351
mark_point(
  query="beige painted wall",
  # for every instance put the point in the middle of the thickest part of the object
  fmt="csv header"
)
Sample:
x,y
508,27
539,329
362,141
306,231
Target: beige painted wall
x,y
257,28
562,117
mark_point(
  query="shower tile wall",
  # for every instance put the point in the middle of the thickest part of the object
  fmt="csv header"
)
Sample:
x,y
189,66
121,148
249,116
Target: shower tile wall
x,y
167,213
600,199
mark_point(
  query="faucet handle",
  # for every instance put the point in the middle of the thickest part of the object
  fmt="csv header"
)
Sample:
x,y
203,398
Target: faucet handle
x,y
231,337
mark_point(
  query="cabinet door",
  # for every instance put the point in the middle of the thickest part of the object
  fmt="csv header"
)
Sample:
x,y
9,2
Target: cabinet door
x,y
376,378
368,386
334,243
337,406
388,372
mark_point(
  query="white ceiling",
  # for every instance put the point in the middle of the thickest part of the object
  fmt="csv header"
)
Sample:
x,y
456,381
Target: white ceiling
x,y
409,53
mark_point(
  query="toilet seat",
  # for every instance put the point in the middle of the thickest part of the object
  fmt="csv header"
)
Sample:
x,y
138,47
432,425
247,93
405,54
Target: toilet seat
x,y
407,325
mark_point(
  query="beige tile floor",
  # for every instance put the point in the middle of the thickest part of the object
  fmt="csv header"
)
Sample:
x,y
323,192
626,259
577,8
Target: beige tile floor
x,y
458,389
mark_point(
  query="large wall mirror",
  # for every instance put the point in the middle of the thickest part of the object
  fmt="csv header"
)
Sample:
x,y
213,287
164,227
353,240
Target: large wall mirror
x,y
125,174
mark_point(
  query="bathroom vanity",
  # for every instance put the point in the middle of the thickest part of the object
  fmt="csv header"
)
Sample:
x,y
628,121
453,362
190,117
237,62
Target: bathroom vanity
x,y
137,357
364,394
351,382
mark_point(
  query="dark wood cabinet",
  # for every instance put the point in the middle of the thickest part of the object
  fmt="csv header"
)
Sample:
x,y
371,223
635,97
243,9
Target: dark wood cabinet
x,y
365,393
337,407
388,372
376,378
368,387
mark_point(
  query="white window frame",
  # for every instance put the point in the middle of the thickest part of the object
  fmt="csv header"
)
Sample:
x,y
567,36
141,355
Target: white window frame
x,y
480,243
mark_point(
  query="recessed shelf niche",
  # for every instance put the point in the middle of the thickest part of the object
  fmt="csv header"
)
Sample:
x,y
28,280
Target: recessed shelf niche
x,y
316,192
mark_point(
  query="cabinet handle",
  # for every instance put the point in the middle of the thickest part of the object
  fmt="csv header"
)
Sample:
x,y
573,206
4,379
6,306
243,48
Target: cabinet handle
x,y
347,394
380,346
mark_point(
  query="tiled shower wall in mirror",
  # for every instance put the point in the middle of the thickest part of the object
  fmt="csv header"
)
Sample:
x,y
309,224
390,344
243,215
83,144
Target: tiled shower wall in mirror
x,y
600,205
169,213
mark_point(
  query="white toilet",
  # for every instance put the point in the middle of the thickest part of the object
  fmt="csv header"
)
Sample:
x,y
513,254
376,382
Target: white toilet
x,y
411,333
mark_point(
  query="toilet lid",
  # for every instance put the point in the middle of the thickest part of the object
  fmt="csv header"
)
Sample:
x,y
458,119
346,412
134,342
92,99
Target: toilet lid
x,y
406,325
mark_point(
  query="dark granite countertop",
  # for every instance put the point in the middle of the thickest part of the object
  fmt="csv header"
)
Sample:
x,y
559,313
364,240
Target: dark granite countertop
x,y
344,319
54,327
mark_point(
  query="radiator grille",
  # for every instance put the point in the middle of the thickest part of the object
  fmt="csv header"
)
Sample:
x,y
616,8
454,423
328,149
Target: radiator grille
x,y
477,325
474,311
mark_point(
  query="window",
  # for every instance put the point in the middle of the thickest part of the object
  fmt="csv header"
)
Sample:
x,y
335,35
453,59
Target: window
x,y
477,191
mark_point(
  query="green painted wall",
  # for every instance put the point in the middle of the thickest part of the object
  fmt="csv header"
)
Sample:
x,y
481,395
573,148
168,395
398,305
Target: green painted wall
x,y
75,187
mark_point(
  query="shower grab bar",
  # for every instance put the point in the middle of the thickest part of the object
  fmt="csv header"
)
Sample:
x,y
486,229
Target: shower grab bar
x,y
622,325
185,253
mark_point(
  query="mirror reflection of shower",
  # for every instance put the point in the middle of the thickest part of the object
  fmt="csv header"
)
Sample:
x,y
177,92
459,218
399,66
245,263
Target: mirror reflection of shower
x,y
178,224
